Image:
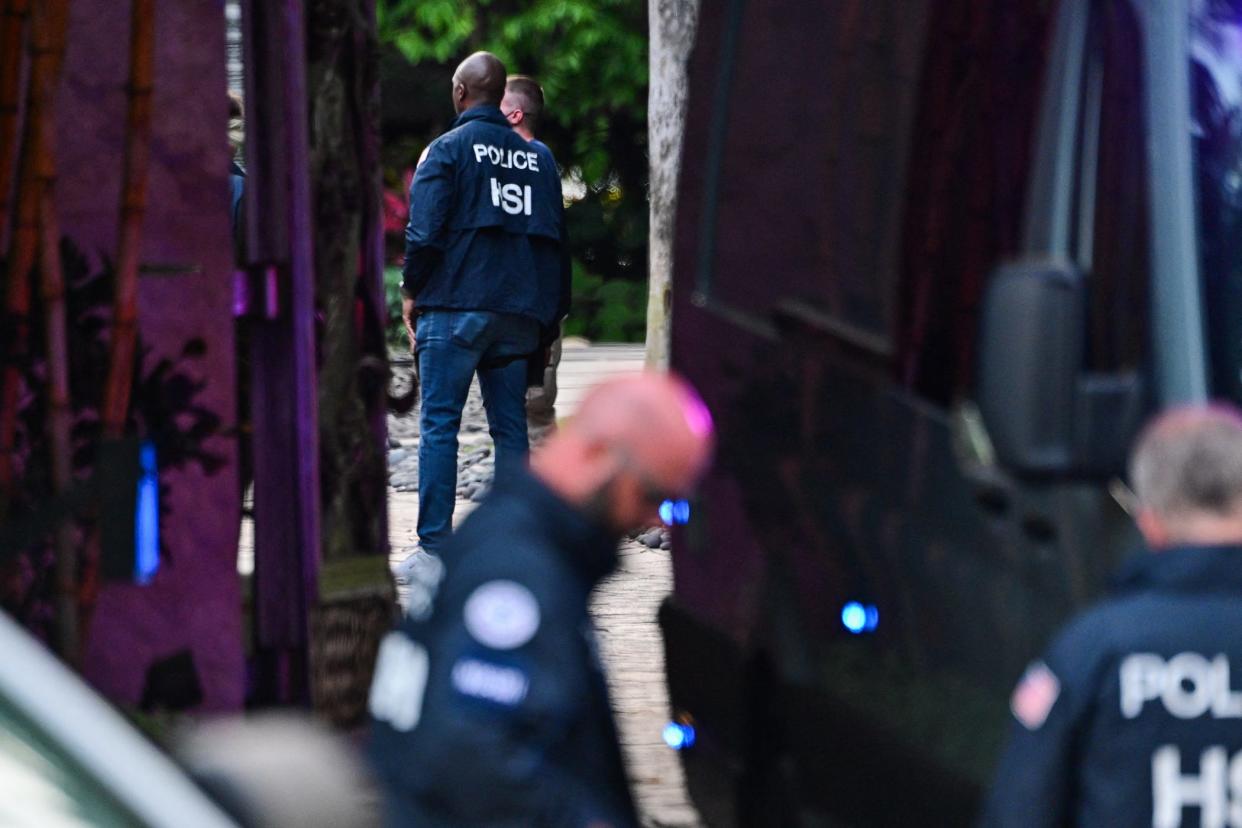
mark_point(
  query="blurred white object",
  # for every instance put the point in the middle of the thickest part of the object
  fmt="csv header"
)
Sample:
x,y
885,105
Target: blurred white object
x,y
281,770
68,759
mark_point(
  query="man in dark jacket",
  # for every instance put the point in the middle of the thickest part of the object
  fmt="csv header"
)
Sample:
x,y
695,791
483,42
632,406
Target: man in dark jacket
x,y
1134,716
483,270
489,705
522,106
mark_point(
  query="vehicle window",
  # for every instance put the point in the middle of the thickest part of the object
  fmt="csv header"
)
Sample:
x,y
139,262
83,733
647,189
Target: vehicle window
x,y
1216,109
1113,247
965,191
813,174
39,789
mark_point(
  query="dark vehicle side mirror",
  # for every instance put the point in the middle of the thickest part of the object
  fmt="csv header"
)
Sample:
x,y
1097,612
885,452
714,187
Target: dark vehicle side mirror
x,y
1046,416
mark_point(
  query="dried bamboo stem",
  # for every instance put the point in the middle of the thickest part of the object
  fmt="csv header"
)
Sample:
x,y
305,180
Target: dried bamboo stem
x,y
52,291
12,28
59,420
133,207
52,284
44,65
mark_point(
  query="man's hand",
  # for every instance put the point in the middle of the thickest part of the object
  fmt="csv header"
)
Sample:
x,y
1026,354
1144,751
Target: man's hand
x,y
407,316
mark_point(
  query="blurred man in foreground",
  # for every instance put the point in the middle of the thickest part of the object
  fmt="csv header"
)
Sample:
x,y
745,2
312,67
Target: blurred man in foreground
x,y
1134,717
489,705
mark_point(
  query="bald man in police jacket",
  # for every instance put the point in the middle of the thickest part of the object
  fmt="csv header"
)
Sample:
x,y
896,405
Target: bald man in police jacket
x,y
489,704
483,272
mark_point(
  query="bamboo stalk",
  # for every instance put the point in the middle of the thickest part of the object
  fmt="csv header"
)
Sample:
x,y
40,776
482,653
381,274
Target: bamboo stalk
x,y
12,28
133,207
59,422
52,291
25,238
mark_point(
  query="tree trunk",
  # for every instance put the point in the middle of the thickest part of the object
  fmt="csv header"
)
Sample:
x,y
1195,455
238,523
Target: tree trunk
x,y
355,587
673,24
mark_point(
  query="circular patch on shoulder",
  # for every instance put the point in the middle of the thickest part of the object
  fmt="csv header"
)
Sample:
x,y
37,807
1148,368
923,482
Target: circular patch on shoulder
x,y
502,615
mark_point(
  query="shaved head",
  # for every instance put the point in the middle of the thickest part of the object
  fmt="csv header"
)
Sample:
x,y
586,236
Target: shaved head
x,y
525,96
659,420
479,79
634,441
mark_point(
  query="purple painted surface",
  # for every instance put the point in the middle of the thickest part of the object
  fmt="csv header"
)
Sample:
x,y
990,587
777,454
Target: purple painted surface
x,y
285,405
194,602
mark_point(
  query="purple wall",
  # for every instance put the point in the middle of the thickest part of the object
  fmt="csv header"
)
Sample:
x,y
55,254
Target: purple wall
x,y
194,601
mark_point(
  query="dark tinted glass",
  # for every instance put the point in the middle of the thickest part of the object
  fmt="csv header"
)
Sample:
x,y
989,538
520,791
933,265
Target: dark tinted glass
x,y
810,200
1216,101
965,192
1116,259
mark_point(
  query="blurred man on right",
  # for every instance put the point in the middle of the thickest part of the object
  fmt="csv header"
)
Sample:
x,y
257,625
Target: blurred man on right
x,y
1134,716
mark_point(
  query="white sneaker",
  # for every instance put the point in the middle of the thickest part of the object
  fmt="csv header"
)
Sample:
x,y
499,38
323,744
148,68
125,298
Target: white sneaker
x,y
413,563
421,573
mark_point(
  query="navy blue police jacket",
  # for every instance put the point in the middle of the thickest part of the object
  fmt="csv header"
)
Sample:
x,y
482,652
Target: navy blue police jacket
x,y
1134,716
489,705
486,227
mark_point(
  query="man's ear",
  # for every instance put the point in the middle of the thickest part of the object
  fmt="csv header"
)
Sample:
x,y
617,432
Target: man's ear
x,y
1152,528
516,116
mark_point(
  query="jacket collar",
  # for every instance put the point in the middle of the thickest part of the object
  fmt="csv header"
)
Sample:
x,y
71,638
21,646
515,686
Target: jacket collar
x,y
488,113
1184,569
588,546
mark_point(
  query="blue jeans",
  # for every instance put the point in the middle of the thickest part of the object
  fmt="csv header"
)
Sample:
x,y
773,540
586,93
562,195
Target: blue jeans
x,y
450,346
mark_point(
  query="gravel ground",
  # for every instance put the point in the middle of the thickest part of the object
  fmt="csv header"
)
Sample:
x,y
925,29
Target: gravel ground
x,y
624,606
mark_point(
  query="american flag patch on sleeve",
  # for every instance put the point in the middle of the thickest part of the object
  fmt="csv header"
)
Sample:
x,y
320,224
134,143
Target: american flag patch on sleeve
x,y
1035,695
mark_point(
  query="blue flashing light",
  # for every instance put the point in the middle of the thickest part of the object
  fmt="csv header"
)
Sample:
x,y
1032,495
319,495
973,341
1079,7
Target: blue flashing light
x,y
675,512
860,618
678,736
147,519
854,617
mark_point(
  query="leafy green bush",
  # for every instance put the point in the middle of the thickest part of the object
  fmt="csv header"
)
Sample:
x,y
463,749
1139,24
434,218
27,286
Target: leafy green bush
x,y
392,299
612,310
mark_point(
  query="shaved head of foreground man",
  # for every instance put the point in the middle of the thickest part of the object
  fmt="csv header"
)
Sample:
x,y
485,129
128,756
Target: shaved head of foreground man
x,y
489,705
634,443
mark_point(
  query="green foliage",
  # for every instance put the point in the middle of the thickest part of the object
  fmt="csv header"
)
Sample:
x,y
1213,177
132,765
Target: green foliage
x,y
590,56
395,332
607,310
426,29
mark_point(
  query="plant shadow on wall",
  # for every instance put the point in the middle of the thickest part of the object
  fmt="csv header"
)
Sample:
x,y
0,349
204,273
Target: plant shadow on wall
x,y
163,410
590,56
